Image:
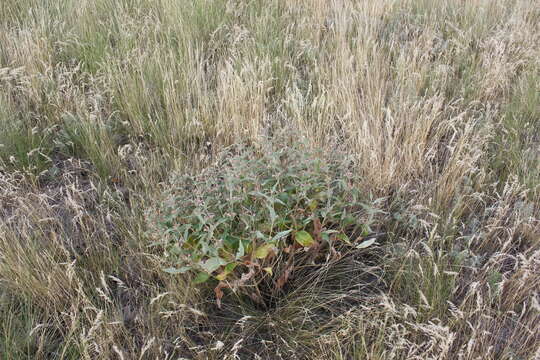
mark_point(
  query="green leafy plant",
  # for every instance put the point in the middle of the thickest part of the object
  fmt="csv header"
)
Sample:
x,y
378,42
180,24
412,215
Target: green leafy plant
x,y
250,220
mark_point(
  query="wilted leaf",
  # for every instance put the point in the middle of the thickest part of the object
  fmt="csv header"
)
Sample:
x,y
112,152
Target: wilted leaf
x,y
365,244
313,205
263,251
268,270
317,229
241,251
304,238
226,271
221,276
219,292
281,234
283,278
256,297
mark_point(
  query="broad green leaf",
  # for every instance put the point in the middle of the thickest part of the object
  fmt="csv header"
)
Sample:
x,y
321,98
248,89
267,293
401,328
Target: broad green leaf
x,y
284,197
304,238
174,271
263,251
231,241
313,205
201,277
365,244
212,264
230,267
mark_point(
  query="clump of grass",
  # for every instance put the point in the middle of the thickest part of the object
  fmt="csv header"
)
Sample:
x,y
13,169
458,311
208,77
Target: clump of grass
x,y
24,145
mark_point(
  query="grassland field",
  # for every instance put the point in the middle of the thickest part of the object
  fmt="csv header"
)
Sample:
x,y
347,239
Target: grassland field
x,y
435,103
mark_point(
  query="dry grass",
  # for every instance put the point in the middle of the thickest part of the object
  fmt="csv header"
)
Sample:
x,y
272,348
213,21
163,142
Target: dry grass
x,y
436,101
